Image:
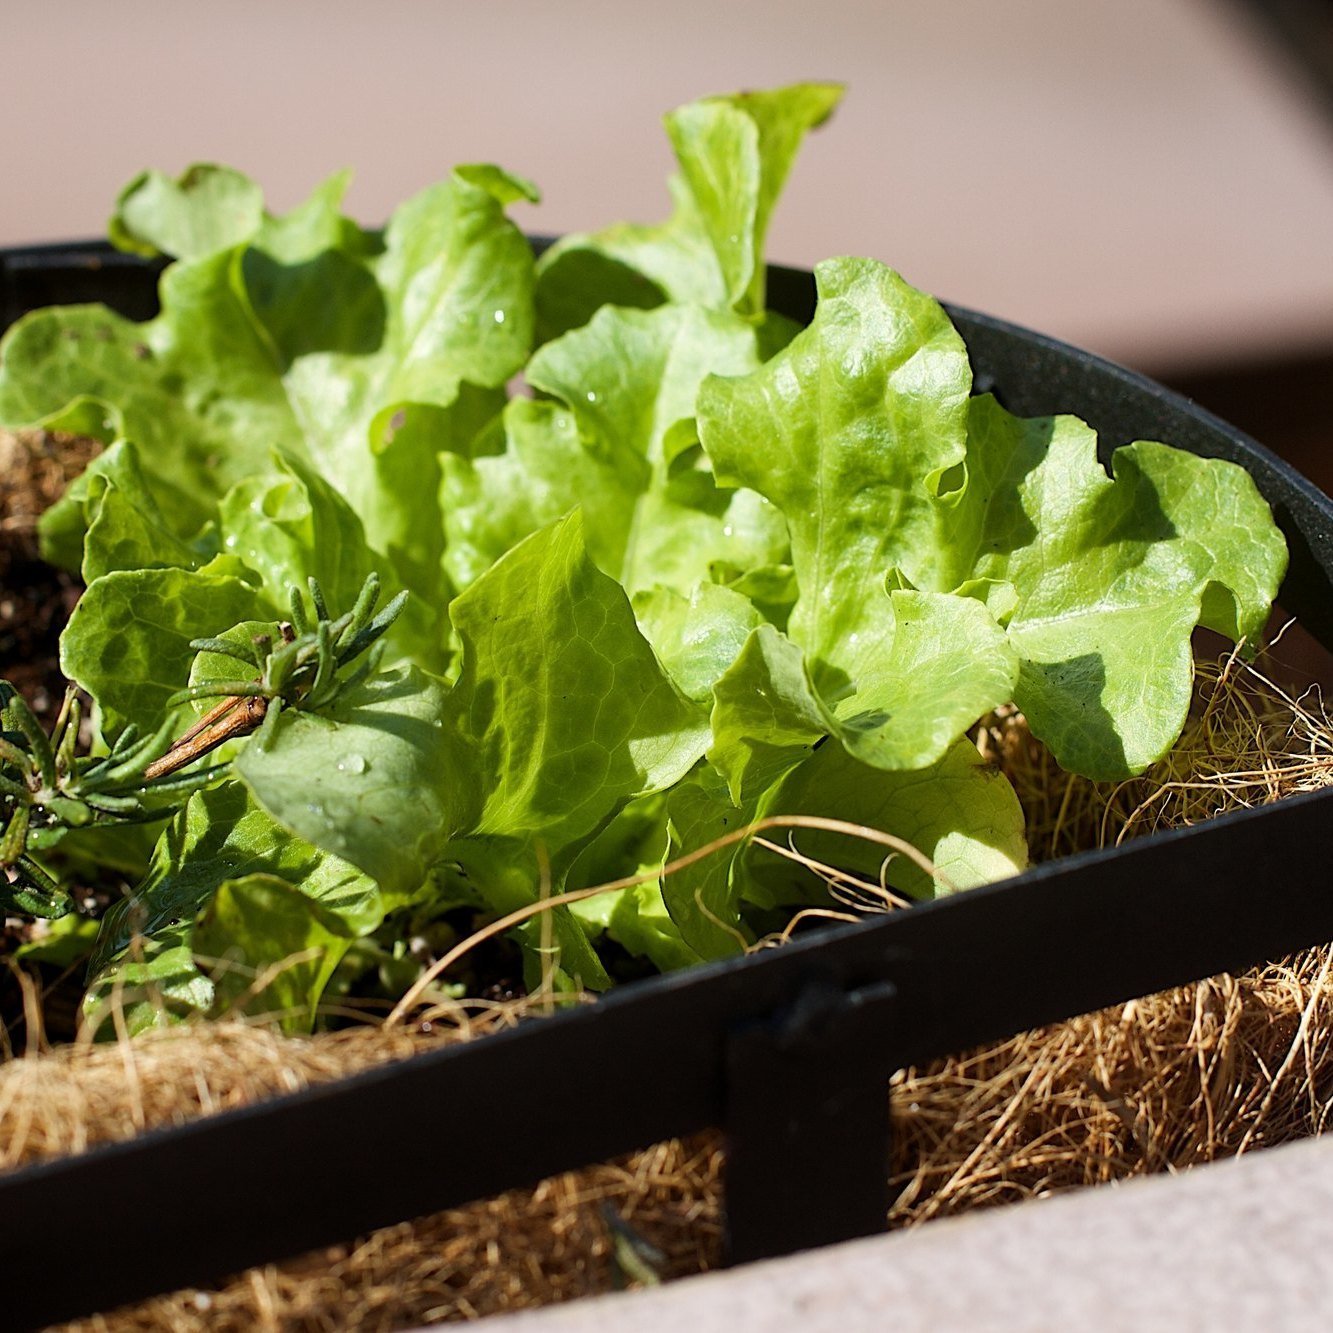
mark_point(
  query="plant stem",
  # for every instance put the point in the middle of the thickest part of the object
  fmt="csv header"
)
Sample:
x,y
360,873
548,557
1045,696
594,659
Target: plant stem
x,y
237,715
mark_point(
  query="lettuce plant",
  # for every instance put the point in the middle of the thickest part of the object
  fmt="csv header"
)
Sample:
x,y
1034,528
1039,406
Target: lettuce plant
x,y
696,568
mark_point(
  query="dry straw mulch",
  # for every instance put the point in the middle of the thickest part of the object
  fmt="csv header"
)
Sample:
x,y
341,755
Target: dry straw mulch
x,y
1158,1084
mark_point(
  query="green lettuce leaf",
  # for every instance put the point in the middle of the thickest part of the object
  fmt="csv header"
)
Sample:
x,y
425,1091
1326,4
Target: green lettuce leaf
x,y
155,984
960,813
768,710
704,899
128,640
565,710
640,922
850,432
735,153
636,918
110,519
363,359
505,873
697,638
1108,576
205,209
196,388
268,948
560,717
222,836
615,438
888,474
447,303
288,525
379,781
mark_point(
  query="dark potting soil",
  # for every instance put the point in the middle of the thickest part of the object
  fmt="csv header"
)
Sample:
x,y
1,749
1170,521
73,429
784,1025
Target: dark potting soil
x,y
35,599
35,602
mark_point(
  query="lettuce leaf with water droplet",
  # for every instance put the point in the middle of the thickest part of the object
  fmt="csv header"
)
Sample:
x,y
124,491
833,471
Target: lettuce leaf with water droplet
x,y
560,717
614,438
359,356
379,779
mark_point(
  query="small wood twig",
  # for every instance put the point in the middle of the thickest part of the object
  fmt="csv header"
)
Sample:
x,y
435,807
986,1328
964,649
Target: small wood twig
x,y
236,715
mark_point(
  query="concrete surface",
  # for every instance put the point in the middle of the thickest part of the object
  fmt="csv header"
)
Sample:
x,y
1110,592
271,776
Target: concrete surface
x,y
1238,1245
1143,177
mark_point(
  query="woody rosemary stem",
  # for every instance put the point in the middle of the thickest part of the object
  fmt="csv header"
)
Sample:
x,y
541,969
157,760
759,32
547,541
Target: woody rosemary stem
x,y
234,716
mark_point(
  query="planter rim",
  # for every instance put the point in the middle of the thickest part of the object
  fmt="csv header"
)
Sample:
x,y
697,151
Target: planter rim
x,y
731,1043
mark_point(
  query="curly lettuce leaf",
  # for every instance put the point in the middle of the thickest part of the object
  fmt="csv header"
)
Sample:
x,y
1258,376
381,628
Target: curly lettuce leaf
x,y
196,388
561,714
850,432
150,593
704,898
505,873
615,438
769,711
735,153
205,209
1108,576
863,433
364,359
641,923
156,984
448,303
636,918
110,518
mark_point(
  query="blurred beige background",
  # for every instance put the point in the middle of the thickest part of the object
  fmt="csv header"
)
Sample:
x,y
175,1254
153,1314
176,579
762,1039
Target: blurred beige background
x,y
1144,177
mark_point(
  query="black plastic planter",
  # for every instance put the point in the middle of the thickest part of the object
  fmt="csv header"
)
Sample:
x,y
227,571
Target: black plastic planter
x,y
789,1051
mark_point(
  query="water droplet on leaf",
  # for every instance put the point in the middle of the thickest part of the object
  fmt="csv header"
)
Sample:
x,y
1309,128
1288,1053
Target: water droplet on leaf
x,y
352,763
